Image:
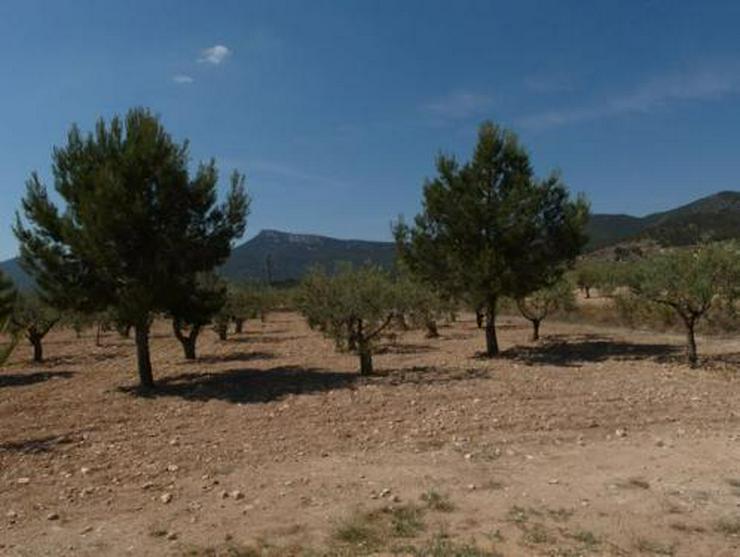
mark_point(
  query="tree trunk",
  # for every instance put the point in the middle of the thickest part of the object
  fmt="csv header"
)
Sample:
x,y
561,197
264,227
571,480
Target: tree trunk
x,y
491,340
691,356
38,348
97,334
432,331
536,329
587,290
479,318
366,362
146,380
188,341
223,333
238,326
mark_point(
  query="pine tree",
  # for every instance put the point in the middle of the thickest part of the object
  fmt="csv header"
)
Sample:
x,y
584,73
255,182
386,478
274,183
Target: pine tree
x,y
135,227
489,229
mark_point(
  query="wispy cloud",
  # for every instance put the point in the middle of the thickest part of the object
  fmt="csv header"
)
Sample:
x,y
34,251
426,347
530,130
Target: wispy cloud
x,y
285,171
182,79
458,105
703,85
215,54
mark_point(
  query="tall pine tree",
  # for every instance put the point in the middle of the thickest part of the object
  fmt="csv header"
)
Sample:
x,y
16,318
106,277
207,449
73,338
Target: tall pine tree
x,y
489,228
135,227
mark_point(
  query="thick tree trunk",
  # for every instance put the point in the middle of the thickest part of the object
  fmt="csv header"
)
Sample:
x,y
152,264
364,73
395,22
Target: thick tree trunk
x,y
432,331
691,355
587,290
223,333
366,362
38,348
238,326
98,332
535,329
146,380
491,340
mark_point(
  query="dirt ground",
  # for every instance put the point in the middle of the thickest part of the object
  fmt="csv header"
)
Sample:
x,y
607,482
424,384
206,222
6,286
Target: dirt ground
x,y
595,441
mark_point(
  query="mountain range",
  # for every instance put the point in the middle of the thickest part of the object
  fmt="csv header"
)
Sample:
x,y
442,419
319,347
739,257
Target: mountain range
x,y
283,256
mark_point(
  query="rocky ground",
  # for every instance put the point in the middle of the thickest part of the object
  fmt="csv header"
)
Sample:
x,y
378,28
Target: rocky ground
x,y
595,441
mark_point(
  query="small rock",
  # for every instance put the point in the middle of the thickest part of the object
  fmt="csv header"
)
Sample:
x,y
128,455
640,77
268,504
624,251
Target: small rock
x,y
660,443
11,514
396,499
471,487
385,492
23,481
86,530
236,494
173,468
224,494
621,432
52,516
166,498
84,470
468,456
554,481
172,536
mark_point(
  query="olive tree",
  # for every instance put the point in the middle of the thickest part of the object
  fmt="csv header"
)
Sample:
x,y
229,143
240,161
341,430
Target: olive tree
x,y
352,307
135,226
196,309
33,318
538,305
691,282
489,228
7,301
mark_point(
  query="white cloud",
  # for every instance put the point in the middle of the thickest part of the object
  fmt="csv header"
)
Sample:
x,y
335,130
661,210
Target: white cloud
x,y
703,85
183,79
214,54
458,105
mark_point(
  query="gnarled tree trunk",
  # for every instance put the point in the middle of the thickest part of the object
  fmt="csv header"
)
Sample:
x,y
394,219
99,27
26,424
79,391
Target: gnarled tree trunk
x,y
491,340
143,358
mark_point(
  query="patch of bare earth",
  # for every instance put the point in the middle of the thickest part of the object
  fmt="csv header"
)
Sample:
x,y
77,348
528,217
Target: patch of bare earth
x,y
592,442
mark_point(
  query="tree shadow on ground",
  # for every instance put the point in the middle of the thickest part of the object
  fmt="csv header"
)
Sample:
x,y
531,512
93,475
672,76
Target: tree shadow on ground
x,y
568,351
405,348
426,375
23,379
258,339
248,385
240,356
39,444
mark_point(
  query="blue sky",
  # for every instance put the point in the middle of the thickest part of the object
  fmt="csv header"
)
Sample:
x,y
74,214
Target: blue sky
x,y
335,110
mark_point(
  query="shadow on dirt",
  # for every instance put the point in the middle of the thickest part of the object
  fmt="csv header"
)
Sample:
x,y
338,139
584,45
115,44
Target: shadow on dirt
x,y
40,444
405,348
255,339
248,385
240,356
561,350
22,379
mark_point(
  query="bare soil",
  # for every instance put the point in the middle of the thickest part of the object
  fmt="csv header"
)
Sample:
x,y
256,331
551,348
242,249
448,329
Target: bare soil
x,y
595,441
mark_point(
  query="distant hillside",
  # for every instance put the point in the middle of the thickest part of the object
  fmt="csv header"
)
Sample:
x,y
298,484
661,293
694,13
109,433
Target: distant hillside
x,y
288,256
285,256
716,217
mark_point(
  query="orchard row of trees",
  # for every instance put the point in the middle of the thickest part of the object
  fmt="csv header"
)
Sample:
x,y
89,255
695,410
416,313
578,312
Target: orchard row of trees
x,y
138,234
